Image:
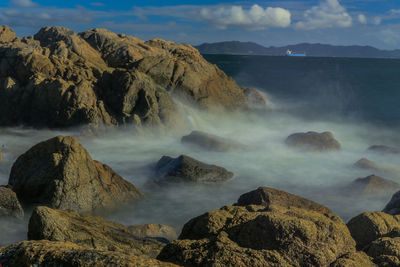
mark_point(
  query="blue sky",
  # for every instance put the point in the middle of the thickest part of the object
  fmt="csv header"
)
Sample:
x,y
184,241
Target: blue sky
x,y
341,22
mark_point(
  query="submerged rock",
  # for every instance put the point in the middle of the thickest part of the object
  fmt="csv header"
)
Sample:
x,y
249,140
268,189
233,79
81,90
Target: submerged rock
x,y
187,169
367,164
91,232
209,142
257,236
313,141
393,207
50,253
9,204
384,149
60,173
373,185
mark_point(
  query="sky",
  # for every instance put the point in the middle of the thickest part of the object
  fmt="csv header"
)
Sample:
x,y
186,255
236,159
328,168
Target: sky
x,y
269,23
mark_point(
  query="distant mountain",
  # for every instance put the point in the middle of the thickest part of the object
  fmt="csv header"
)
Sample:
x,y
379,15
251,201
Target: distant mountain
x,y
315,50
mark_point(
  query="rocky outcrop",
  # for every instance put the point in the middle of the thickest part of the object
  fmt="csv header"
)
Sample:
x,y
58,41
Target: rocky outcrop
x,y
384,149
187,169
49,253
61,79
393,207
385,251
366,164
354,259
270,197
154,231
1,156
254,235
313,141
255,98
91,232
372,185
9,204
61,174
209,142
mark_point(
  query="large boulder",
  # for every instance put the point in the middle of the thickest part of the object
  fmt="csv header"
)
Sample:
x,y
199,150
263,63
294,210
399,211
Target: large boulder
x,y
313,141
154,231
385,251
61,174
393,207
209,142
187,169
50,253
366,164
61,79
255,98
9,204
270,197
373,185
258,236
92,232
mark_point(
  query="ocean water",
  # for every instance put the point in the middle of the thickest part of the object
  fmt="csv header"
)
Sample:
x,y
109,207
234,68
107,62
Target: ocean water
x,y
355,99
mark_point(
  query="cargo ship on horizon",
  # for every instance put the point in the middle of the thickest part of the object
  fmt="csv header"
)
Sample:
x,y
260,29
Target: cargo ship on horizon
x,y
290,53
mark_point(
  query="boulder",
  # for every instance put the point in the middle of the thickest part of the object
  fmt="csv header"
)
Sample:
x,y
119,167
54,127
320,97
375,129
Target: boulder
x,y
209,142
9,204
256,236
187,169
385,251
313,141
354,259
270,198
393,207
6,34
1,156
384,149
60,173
50,253
91,232
255,98
373,185
367,164
154,231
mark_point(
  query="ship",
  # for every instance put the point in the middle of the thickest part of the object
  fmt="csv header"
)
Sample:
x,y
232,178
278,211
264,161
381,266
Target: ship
x,y
289,53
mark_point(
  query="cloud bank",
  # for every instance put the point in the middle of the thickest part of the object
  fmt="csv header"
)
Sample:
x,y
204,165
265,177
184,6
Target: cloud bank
x,y
23,3
255,18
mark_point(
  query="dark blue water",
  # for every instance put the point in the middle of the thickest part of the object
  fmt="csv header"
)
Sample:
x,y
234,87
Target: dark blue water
x,y
345,88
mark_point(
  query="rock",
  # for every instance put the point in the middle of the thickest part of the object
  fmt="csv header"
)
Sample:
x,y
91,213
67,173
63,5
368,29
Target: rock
x,y
49,253
90,231
393,207
384,149
270,198
6,34
385,251
154,231
9,204
209,142
1,156
187,169
313,141
373,185
355,259
367,164
369,226
61,174
61,79
255,98
255,236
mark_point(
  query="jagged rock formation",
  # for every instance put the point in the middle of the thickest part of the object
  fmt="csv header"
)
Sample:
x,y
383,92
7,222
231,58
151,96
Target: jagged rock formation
x,y
209,142
59,79
256,235
154,231
61,174
50,253
187,169
9,204
372,185
90,231
366,164
313,141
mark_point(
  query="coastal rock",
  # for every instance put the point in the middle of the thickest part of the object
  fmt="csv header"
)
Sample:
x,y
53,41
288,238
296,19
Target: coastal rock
x,y
60,173
355,259
393,207
209,142
90,231
384,149
255,236
154,231
385,251
255,98
1,156
187,169
373,185
367,164
50,253
9,204
313,141
270,198
62,79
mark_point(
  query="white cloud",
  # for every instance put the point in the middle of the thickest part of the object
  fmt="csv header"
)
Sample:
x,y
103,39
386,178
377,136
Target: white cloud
x,y
362,19
328,14
255,18
377,20
23,3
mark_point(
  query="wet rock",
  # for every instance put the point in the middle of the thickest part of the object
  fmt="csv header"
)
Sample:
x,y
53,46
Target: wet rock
x,y
90,231
154,231
187,169
255,98
61,174
255,236
373,185
393,207
9,204
384,149
313,141
49,253
270,198
209,142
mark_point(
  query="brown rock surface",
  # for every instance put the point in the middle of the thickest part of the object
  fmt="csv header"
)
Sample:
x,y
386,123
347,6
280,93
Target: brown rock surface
x,y
49,253
61,79
6,34
89,231
209,142
373,185
313,141
9,204
355,259
385,251
255,98
60,173
156,231
393,207
1,156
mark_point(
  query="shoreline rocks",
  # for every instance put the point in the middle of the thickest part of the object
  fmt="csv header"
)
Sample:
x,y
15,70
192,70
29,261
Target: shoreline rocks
x,y
209,142
9,204
313,141
393,207
372,185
